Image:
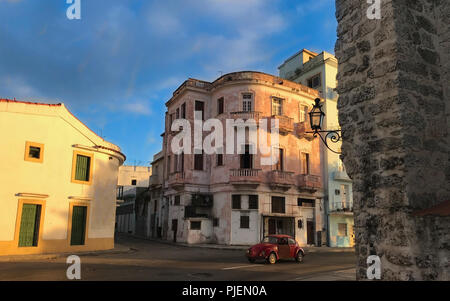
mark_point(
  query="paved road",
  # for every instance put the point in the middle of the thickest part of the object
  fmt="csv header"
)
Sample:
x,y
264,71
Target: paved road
x,y
154,261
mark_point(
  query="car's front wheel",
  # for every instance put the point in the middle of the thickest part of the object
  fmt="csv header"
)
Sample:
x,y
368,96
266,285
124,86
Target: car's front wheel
x,y
251,260
272,259
299,257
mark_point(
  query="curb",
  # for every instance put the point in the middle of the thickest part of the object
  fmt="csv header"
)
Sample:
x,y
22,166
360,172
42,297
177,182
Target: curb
x,y
13,258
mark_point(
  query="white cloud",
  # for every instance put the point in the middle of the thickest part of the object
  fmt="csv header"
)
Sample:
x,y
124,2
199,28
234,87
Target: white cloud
x,y
137,107
162,22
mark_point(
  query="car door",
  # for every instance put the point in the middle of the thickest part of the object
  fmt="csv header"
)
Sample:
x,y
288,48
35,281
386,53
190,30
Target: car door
x,y
283,248
292,247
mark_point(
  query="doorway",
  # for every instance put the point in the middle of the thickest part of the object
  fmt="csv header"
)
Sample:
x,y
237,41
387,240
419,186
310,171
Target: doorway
x,y
30,225
175,229
279,225
310,232
78,231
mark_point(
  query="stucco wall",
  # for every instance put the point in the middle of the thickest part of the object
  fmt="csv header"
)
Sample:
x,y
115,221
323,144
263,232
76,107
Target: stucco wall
x,y
139,173
52,177
217,179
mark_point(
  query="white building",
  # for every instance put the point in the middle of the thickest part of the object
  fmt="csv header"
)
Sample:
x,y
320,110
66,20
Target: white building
x,y
319,71
132,191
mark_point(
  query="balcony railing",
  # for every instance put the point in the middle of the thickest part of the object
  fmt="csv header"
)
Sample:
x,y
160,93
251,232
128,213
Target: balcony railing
x,y
176,178
154,180
281,177
192,211
245,115
286,124
309,182
245,175
341,207
302,129
195,83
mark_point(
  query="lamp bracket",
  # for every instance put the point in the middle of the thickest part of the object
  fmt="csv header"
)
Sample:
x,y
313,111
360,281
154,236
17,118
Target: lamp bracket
x,y
333,136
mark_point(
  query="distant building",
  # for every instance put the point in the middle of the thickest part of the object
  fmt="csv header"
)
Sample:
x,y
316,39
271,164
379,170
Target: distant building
x,y
58,181
158,209
132,191
318,71
233,198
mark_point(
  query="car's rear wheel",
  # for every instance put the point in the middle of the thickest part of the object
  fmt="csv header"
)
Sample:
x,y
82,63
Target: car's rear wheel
x,y
251,260
272,259
299,257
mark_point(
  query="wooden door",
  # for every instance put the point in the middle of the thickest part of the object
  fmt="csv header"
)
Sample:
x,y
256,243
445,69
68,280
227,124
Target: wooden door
x,y
29,225
78,234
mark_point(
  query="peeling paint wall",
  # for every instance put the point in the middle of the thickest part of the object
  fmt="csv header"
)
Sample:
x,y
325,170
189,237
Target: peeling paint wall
x,y
218,180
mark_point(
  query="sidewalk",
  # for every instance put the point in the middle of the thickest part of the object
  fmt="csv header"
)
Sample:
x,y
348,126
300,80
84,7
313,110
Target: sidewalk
x,y
239,247
118,249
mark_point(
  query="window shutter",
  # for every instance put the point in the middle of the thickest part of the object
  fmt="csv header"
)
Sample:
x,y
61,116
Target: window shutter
x,y
82,168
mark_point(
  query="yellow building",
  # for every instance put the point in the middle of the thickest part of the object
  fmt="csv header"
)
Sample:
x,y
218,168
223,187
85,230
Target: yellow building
x,y
58,181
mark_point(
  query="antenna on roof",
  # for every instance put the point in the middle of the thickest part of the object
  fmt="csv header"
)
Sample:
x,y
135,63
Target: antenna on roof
x,y
221,72
101,134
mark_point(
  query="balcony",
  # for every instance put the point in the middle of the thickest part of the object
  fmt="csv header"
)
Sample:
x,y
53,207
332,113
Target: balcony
x,y
202,200
176,180
155,180
245,176
195,212
301,130
286,124
309,183
281,179
345,208
246,115
192,84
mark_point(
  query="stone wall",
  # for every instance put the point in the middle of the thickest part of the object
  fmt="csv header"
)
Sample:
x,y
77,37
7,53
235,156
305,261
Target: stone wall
x,y
394,111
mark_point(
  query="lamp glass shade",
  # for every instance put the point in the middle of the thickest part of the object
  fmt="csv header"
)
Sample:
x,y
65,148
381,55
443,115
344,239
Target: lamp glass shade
x,y
316,118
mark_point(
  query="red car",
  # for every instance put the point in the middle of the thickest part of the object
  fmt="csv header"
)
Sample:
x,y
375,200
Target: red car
x,y
275,247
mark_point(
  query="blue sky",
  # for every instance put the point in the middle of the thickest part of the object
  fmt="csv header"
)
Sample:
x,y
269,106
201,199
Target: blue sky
x,y
117,66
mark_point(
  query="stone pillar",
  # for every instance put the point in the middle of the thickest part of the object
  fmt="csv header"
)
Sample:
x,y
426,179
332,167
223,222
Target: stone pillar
x,y
394,110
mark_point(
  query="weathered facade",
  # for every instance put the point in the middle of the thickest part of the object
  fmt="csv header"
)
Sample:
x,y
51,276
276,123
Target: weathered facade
x,y
158,209
318,71
394,111
58,181
233,198
133,193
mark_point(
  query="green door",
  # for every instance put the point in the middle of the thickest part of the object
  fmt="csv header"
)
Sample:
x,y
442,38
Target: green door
x,y
29,225
78,225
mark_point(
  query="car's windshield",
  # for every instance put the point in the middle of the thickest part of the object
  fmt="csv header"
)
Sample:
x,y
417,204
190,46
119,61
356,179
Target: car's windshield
x,y
270,240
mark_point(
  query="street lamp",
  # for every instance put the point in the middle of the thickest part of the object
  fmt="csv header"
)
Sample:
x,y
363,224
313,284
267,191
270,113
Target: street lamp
x,y
316,120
